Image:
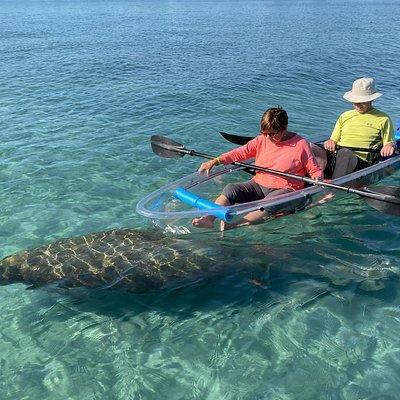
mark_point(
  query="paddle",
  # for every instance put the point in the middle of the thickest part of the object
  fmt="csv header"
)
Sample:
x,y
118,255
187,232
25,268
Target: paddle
x,y
165,147
241,140
236,139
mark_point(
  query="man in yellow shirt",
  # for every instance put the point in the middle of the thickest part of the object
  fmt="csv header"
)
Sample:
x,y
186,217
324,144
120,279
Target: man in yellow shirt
x,y
364,127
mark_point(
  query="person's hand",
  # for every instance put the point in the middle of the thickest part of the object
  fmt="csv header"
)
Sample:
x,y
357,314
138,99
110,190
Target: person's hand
x,y
387,150
206,166
330,145
322,180
316,179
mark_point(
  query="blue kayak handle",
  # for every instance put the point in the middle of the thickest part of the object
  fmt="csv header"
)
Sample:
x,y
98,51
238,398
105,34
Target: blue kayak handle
x,y
193,200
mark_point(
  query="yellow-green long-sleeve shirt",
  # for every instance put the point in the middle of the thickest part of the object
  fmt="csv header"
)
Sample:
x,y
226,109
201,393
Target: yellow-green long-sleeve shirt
x,y
370,130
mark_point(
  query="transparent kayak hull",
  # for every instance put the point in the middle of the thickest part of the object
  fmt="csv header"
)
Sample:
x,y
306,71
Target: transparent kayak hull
x,y
168,213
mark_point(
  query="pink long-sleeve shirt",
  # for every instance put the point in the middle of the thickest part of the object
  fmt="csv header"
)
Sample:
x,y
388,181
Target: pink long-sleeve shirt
x,y
293,156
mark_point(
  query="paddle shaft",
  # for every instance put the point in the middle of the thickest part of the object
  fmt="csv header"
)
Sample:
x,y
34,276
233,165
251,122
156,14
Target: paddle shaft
x,y
241,140
371,195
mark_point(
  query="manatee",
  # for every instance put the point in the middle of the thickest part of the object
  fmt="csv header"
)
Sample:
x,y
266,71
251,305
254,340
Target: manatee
x,y
138,260
129,259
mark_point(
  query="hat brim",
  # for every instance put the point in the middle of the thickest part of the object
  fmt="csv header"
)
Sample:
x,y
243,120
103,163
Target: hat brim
x,y
350,96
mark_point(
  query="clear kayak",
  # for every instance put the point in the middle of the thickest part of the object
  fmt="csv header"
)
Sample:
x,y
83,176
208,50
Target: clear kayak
x,y
173,206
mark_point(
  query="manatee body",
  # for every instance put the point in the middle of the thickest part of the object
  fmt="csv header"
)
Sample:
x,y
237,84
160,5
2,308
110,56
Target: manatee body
x,y
142,260
134,260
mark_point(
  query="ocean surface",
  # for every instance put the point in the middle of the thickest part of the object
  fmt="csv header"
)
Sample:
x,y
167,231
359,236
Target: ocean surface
x,y
304,308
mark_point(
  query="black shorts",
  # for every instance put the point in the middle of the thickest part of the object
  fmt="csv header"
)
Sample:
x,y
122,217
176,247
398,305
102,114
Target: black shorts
x,y
331,163
244,192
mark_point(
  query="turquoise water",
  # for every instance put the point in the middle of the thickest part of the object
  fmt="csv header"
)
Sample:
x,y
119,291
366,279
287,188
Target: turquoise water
x,y
83,86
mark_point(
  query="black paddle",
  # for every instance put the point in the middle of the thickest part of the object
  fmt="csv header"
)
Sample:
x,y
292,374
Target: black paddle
x,y
236,139
165,147
241,140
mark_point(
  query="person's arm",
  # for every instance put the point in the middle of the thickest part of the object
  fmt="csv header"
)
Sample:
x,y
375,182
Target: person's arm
x,y
249,150
330,144
310,163
388,140
241,153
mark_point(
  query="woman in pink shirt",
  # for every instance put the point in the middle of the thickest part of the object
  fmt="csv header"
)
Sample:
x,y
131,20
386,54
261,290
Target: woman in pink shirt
x,y
275,148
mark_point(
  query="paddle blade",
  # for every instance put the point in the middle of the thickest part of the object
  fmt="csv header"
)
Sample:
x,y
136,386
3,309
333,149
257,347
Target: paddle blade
x,y
236,139
168,148
385,206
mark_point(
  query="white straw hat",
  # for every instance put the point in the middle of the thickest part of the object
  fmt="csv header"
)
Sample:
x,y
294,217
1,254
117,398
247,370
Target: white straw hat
x,y
363,90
